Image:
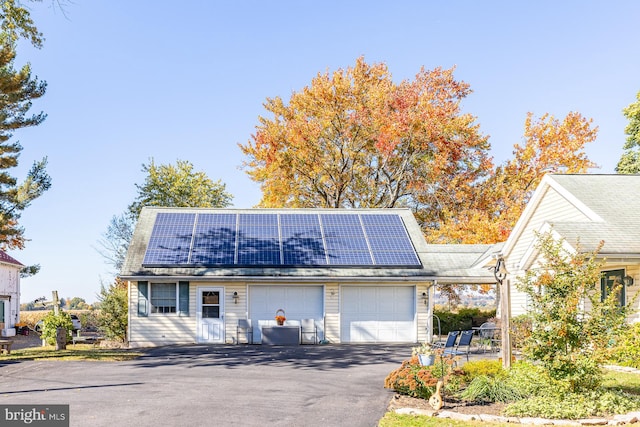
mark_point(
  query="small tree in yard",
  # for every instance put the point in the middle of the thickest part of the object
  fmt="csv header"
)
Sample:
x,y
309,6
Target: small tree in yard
x,y
51,323
113,317
570,342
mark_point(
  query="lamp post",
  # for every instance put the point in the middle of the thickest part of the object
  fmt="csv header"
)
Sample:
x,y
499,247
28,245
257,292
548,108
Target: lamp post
x,y
500,273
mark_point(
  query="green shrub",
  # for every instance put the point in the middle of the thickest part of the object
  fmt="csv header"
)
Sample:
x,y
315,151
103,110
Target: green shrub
x,y
113,318
489,368
459,321
626,351
529,379
490,389
574,405
520,327
51,324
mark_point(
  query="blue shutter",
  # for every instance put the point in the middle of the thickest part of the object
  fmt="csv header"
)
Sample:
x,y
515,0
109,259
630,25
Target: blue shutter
x,y
143,299
183,299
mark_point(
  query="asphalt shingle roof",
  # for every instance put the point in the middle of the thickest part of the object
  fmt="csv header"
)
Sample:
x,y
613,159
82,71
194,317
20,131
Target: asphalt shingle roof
x,y
613,198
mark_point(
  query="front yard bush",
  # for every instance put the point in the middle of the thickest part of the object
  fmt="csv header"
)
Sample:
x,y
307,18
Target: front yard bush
x,y
461,320
490,389
416,380
489,368
51,324
574,405
626,351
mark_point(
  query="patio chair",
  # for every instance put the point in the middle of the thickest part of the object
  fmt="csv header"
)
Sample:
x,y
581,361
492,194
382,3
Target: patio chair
x,y
308,331
463,347
486,335
244,328
449,343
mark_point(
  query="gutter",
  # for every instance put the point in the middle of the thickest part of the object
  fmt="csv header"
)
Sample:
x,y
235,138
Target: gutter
x,y
324,279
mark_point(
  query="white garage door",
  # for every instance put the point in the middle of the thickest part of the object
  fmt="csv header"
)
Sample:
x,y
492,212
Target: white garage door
x,y
298,302
372,314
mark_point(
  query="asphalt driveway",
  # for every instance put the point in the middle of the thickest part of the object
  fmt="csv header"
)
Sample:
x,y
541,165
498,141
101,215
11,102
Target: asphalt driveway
x,y
200,385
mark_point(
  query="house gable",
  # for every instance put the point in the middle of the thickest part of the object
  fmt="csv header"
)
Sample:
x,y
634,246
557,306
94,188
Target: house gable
x,y
582,210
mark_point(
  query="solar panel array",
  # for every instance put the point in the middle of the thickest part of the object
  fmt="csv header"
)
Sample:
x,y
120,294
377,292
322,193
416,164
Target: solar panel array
x,y
279,239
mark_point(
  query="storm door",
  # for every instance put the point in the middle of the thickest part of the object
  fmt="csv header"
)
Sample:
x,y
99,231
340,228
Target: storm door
x,y
210,316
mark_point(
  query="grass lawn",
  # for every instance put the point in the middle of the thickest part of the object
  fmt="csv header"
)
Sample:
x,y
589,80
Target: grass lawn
x,y
73,352
629,382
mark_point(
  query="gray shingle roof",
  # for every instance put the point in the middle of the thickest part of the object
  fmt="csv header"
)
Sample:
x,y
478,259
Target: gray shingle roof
x,y
616,200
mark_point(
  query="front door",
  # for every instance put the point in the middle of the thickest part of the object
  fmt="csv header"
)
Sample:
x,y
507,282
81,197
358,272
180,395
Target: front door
x,y
612,280
210,317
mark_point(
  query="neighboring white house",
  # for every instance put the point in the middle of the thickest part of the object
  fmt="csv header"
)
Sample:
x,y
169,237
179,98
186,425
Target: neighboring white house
x,y
583,210
362,275
9,294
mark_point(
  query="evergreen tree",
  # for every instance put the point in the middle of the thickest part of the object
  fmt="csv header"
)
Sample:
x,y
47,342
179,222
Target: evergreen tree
x,y
18,89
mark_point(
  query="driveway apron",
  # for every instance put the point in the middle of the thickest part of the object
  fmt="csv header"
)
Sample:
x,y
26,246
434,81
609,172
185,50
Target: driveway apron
x,y
206,385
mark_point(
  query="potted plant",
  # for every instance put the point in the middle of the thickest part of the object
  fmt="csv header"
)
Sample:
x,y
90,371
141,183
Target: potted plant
x,y
280,317
425,354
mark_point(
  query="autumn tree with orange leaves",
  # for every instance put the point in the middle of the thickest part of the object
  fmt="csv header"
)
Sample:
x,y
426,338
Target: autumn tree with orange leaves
x,y
355,139
550,146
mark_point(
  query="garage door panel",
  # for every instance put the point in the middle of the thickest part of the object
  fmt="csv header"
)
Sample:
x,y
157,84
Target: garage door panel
x,y
298,302
378,314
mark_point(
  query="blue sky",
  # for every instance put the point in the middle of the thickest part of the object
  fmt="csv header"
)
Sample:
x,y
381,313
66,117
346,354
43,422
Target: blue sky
x,y
129,81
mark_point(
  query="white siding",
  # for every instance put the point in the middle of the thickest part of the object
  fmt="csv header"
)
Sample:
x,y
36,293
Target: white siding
x,y
10,286
423,315
161,329
553,207
332,312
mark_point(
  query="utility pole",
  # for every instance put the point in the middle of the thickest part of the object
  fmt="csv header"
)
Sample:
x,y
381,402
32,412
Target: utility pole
x,y
56,302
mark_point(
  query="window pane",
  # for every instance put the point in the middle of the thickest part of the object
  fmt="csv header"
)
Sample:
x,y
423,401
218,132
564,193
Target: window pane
x,y
211,312
211,297
163,298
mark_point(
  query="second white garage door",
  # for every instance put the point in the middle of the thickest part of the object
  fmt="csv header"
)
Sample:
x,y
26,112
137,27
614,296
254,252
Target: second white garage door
x,y
374,314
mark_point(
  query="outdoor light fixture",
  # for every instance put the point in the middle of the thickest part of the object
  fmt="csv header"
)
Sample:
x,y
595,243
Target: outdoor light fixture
x,y
628,281
424,298
235,297
500,271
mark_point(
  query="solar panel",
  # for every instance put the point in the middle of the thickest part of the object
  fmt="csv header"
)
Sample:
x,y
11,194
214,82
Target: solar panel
x,y
215,239
389,241
170,241
274,239
302,240
258,239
